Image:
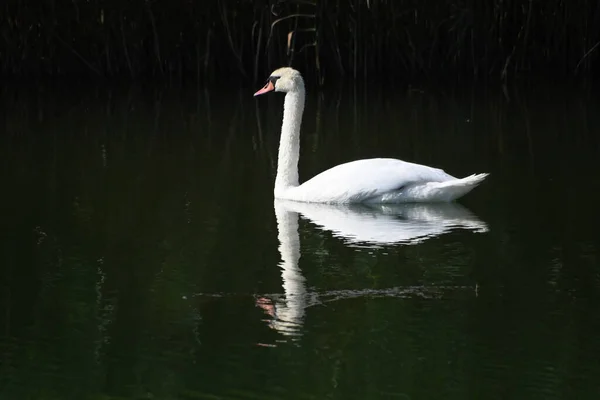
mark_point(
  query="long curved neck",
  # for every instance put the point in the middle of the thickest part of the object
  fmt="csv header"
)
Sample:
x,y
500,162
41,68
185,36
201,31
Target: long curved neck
x,y
289,144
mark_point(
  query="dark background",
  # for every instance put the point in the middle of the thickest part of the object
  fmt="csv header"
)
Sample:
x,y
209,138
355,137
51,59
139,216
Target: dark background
x,y
240,41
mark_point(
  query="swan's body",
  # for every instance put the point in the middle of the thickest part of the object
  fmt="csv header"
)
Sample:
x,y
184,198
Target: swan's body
x,y
380,180
375,180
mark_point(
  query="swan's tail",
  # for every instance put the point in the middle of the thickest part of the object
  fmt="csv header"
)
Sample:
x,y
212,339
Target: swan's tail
x,y
454,189
431,192
436,192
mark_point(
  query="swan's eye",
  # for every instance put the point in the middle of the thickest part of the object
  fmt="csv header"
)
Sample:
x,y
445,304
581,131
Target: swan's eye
x,y
273,79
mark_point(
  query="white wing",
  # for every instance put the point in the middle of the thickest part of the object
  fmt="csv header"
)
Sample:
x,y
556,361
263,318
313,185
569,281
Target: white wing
x,y
360,180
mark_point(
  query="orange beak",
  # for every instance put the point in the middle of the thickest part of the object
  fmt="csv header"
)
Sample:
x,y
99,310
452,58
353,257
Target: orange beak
x,y
268,87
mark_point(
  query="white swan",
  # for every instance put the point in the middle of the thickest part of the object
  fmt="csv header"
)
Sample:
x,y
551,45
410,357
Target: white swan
x,y
376,180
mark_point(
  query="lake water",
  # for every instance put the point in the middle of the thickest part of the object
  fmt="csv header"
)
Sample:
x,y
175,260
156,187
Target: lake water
x,y
143,257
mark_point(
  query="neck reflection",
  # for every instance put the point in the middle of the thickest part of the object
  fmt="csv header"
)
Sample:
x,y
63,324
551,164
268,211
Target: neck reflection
x,y
373,226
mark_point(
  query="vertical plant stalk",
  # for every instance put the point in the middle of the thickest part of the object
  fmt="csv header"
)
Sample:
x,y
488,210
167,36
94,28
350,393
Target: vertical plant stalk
x,y
236,54
155,35
258,44
335,47
125,49
207,53
290,51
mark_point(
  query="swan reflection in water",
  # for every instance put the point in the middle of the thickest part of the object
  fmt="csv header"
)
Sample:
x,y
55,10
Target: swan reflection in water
x,y
372,226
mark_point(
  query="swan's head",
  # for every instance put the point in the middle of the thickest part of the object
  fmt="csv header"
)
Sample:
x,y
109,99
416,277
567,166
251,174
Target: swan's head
x,y
283,80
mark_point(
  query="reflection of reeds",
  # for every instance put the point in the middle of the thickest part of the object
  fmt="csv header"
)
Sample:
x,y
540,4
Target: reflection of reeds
x,y
354,39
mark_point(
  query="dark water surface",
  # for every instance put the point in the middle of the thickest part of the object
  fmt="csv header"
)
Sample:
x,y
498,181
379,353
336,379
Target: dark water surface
x,y
142,255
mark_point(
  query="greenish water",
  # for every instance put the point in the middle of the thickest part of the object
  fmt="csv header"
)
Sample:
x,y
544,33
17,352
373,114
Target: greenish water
x,y
142,255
